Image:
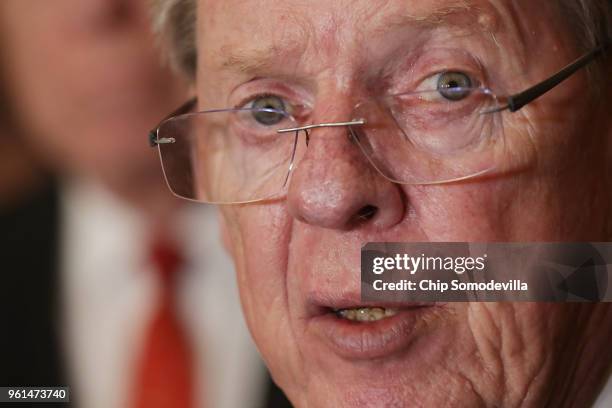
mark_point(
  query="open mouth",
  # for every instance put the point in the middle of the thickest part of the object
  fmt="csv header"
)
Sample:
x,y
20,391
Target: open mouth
x,y
365,314
367,331
357,329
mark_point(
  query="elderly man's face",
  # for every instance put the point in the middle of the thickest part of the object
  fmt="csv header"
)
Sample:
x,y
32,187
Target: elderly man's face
x,y
298,258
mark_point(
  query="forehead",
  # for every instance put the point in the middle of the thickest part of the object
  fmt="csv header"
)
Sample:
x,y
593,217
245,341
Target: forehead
x,y
331,24
254,38
228,26
325,13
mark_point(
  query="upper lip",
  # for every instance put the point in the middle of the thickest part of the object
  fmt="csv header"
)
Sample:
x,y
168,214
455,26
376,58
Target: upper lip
x,y
318,303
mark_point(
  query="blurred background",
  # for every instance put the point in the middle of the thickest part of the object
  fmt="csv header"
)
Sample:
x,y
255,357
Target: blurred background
x,y
109,285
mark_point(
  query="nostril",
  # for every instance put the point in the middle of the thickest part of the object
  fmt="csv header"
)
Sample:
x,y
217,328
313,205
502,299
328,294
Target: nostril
x,y
367,213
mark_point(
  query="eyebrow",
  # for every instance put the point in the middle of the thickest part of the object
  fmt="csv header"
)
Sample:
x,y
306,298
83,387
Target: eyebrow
x,y
258,59
462,14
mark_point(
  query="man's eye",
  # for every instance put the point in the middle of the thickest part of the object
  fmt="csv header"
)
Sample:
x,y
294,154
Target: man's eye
x,y
268,110
454,86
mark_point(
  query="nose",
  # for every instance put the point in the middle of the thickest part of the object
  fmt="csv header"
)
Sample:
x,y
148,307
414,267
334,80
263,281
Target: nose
x,y
335,187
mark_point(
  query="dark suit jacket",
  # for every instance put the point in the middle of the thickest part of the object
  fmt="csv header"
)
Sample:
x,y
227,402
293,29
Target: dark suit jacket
x,y
30,343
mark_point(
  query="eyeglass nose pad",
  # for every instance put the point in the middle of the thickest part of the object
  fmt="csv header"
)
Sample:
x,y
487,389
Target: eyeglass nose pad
x,y
352,135
292,160
376,118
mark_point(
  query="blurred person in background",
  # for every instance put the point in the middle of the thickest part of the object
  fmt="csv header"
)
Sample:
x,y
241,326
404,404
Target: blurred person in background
x,y
20,171
106,285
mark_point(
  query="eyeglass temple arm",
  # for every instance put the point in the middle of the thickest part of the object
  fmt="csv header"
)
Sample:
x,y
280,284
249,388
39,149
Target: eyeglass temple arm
x,y
184,108
517,101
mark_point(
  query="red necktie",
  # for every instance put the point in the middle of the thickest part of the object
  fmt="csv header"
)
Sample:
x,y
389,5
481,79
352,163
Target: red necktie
x,y
164,373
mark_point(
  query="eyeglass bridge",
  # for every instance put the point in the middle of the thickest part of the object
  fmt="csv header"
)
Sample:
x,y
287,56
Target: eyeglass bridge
x,y
319,125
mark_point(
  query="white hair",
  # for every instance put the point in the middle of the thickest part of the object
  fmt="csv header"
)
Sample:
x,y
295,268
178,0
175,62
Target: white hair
x,y
175,23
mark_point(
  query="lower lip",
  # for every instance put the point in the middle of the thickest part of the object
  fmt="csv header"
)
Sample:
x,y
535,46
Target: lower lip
x,y
370,340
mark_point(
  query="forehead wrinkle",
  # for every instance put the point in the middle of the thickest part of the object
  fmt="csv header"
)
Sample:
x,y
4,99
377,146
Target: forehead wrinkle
x,y
489,17
460,13
263,57
296,37
513,21
493,19
293,36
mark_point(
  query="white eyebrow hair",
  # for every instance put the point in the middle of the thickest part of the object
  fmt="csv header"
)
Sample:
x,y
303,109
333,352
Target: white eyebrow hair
x,y
253,59
475,15
486,17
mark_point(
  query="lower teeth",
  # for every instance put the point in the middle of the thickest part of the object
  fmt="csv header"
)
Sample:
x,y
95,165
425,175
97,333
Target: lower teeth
x,y
365,314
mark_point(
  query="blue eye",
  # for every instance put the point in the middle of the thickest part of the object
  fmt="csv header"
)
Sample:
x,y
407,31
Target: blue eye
x,y
268,110
454,86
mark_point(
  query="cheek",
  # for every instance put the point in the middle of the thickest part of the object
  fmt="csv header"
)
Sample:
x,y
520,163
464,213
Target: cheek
x,y
258,236
554,176
517,208
516,340
566,178
260,240
471,212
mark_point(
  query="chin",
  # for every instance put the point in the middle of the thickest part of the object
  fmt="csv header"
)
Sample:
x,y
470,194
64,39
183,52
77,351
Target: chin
x,y
381,355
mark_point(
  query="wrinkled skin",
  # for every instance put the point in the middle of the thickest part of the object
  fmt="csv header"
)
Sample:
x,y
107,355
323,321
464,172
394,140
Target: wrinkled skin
x,y
305,248
86,84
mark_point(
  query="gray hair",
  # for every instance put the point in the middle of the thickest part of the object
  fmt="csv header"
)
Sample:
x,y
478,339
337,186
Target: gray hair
x,y
175,23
